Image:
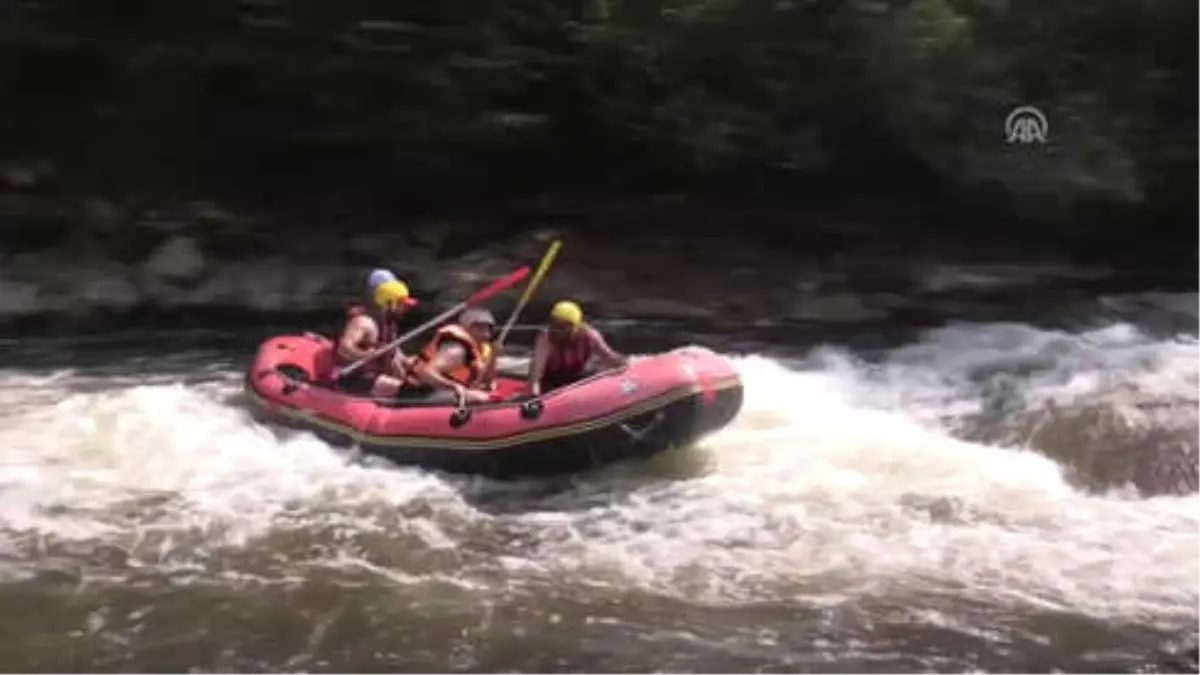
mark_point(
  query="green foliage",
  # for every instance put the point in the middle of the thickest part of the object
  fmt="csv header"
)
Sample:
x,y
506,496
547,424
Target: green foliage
x,y
458,95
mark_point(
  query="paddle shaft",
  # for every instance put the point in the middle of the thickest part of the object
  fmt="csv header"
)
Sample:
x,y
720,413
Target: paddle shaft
x,y
495,287
529,290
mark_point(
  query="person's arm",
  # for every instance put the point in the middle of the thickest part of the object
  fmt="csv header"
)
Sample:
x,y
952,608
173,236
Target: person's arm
x,y
447,356
537,364
607,353
400,363
358,331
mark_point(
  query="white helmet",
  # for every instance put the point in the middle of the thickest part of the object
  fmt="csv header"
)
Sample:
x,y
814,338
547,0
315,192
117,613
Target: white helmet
x,y
476,315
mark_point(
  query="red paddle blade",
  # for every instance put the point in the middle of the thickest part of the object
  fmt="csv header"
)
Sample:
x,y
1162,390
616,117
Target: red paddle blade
x,y
499,285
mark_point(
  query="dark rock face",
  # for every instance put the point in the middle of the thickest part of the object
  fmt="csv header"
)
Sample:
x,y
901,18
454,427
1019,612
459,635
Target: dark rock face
x,y
89,260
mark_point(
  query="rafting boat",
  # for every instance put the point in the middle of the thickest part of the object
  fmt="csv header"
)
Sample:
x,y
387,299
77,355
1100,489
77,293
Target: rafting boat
x,y
656,403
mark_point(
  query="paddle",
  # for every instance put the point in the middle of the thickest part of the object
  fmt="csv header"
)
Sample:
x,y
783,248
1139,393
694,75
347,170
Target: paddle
x,y
543,267
503,283
529,290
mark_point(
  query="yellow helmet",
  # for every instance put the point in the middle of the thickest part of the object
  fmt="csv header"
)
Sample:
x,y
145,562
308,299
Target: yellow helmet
x,y
392,294
567,312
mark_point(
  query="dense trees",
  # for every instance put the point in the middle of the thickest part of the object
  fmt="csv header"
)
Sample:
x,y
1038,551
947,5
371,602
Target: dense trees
x,y
456,96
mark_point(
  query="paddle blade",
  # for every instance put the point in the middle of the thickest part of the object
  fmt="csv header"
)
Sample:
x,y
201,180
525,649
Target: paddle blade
x,y
498,285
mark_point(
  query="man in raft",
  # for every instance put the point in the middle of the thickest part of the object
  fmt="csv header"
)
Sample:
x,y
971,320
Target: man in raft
x,y
455,363
563,348
367,330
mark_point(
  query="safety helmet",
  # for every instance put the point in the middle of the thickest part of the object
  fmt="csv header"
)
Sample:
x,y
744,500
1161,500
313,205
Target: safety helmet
x,y
476,315
391,294
567,312
377,277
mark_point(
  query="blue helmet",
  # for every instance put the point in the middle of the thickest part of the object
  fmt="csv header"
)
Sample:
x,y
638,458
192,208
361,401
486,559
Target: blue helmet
x,y
379,276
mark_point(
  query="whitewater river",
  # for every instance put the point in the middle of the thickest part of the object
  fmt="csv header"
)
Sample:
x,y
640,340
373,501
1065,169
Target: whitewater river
x,y
979,496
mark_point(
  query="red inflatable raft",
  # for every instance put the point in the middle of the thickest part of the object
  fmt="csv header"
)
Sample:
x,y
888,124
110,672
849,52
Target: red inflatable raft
x,y
656,403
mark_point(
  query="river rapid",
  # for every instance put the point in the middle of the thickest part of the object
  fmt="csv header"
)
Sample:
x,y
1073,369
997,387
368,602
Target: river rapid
x,y
975,496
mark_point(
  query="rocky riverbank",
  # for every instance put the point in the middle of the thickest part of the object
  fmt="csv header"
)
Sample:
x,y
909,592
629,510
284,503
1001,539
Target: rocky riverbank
x,y
86,262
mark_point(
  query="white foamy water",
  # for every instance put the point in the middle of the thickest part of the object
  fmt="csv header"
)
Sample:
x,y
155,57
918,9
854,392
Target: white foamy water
x,y
841,482
819,498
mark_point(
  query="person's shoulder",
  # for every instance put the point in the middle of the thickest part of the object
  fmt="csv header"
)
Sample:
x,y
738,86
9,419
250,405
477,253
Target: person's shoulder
x,y
363,320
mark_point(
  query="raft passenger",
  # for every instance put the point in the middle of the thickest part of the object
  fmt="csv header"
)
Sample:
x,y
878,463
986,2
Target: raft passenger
x,y
563,348
367,330
452,367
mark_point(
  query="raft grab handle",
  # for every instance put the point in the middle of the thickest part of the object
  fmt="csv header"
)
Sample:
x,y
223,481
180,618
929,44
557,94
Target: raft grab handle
x,y
461,415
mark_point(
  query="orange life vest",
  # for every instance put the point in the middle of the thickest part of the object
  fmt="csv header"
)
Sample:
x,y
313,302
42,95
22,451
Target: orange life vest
x,y
568,356
469,371
387,331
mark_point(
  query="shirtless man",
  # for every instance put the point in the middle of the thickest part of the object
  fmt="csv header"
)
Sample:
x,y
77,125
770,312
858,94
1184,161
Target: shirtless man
x,y
367,330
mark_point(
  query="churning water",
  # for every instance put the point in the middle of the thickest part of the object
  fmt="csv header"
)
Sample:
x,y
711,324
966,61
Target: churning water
x,y
988,497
